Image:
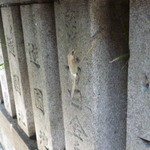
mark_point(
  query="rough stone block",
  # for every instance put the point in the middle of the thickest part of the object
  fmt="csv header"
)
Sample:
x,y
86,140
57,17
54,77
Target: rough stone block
x,y
138,116
18,66
41,53
5,77
95,115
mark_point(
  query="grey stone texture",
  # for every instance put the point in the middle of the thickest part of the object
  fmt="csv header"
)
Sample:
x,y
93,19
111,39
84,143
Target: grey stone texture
x,y
95,118
138,116
16,2
18,66
12,136
1,95
41,53
5,77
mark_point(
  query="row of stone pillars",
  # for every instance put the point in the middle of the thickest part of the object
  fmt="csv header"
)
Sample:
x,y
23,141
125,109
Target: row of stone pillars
x,y
36,83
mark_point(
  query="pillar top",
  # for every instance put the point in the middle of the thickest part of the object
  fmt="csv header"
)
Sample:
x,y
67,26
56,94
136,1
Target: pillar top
x,y
19,2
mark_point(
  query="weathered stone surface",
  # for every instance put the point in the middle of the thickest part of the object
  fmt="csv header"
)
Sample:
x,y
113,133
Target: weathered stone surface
x,y
11,135
138,118
41,52
19,74
1,95
14,2
95,118
5,77
1,68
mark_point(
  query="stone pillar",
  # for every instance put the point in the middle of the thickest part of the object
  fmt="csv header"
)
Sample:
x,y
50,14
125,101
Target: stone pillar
x,y
1,62
19,73
1,95
5,77
138,118
12,136
16,2
95,115
41,52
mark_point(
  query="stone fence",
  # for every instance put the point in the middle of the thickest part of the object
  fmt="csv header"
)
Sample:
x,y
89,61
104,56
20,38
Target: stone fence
x,y
67,81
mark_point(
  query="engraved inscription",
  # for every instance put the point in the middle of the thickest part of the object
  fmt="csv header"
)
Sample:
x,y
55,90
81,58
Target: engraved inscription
x,y
76,145
39,99
17,84
21,118
77,99
33,52
11,46
43,140
10,27
71,24
77,129
5,95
